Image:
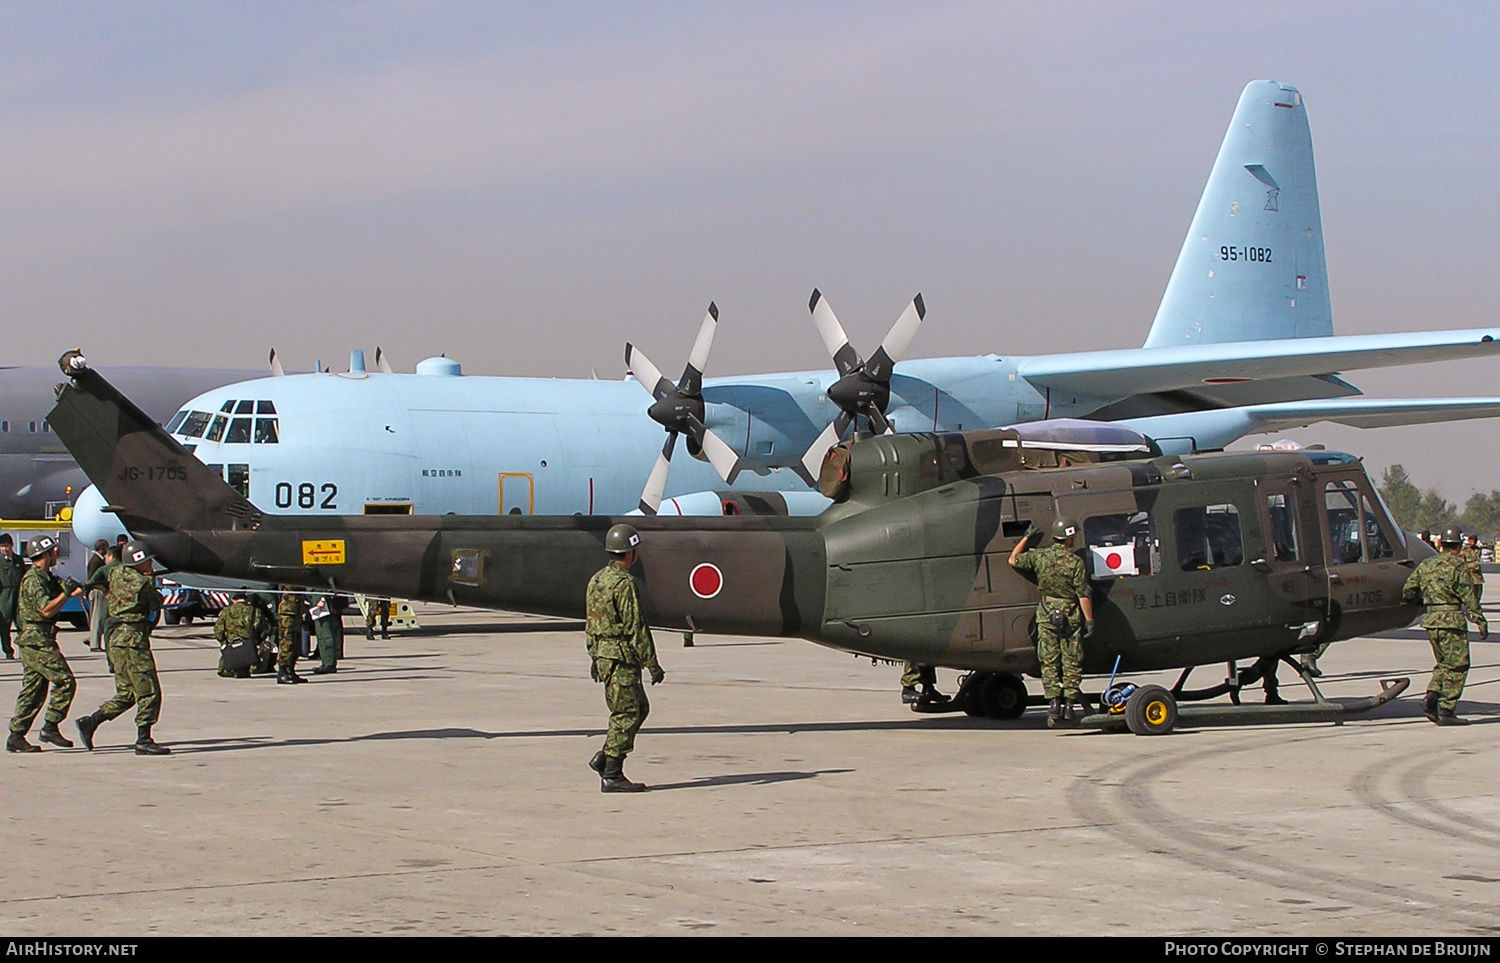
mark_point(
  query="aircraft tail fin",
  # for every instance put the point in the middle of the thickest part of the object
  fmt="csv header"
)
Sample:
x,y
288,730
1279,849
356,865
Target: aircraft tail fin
x,y
1252,266
149,480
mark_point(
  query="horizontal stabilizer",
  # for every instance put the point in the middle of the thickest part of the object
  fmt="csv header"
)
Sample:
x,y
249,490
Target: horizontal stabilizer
x,y
1218,428
1131,371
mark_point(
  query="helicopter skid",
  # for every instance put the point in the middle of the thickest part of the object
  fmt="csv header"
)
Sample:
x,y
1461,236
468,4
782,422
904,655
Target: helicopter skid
x,y
1228,715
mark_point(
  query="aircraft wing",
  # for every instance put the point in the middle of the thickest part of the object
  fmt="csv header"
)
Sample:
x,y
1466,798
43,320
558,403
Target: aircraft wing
x,y
1217,428
1132,371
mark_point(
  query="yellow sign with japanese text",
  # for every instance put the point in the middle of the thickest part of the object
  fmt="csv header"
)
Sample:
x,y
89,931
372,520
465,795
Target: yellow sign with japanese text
x,y
325,552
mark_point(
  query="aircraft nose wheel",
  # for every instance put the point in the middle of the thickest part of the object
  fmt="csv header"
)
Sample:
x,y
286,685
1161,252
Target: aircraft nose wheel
x,y
1151,711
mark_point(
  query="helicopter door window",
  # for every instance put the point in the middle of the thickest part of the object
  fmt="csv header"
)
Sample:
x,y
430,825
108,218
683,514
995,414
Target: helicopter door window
x,y
1283,527
265,431
1379,546
1120,546
239,432
193,426
216,430
1341,501
1208,537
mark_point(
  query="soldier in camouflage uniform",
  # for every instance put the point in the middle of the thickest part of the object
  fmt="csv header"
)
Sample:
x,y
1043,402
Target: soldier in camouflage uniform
x,y
41,597
377,610
620,646
1471,562
241,620
12,569
133,604
1064,615
290,610
1442,583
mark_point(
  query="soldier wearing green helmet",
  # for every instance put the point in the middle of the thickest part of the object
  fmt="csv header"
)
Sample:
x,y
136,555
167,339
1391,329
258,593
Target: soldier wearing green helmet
x,y
1443,585
134,604
41,597
1064,615
619,646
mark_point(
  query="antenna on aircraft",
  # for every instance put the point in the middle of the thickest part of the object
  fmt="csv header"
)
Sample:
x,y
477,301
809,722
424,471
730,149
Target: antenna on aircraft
x,y
864,387
679,408
382,363
275,363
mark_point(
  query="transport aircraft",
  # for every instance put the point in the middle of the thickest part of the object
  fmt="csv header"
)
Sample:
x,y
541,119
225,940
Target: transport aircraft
x,y
1242,342
1198,559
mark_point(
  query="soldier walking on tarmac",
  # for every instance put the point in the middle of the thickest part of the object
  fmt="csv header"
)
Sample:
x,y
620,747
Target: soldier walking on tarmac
x,y
134,602
290,610
12,570
620,646
1442,583
1472,563
1064,616
41,597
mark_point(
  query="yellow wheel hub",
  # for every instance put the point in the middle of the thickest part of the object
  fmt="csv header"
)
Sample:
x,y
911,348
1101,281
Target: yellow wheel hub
x,y
1156,712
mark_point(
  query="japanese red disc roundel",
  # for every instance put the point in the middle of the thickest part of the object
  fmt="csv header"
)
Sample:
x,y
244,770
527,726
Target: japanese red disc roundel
x,y
706,580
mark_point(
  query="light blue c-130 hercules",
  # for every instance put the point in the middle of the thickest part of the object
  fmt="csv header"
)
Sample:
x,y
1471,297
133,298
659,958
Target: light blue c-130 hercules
x,y
1242,342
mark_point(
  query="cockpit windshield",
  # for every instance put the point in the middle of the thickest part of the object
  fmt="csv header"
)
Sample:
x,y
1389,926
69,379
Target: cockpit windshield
x,y
193,425
226,427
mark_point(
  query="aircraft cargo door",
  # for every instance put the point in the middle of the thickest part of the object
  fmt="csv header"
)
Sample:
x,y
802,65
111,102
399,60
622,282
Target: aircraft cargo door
x,y
1364,575
1293,559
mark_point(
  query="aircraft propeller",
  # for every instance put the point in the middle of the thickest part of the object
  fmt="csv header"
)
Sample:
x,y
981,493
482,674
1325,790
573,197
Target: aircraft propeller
x,y
864,387
679,408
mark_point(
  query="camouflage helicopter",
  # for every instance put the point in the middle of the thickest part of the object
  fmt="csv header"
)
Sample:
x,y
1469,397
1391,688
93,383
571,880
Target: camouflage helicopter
x,y
1194,560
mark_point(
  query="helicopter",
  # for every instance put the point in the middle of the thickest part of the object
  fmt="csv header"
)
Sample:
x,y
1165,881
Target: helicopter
x,y
1194,559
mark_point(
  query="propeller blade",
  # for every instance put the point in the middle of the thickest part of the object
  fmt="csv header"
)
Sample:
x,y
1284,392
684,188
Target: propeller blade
x,y
382,363
692,376
883,425
656,484
812,459
897,340
845,358
648,374
276,368
724,459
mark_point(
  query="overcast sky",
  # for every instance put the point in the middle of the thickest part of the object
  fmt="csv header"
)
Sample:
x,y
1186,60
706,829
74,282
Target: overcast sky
x,y
526,186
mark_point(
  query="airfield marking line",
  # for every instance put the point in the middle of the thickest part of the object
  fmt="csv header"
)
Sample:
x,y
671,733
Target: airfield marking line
x,y
831,844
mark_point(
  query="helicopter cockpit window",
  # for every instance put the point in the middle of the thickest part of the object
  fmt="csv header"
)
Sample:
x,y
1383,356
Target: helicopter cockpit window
x,y
1120,546
1341,501
193,425
1208,537
1283,527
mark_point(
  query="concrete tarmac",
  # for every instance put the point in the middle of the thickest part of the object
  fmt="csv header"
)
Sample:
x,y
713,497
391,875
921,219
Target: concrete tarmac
x,y
438,784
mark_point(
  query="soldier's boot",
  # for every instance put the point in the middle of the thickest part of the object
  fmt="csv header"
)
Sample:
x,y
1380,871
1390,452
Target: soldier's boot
x,y
1054,714
86,727
612,779
1273,696
288,676
17,743
1446,717
385,633
50,734
1084,709
930,696
1430,706
597,763
146,746
909,695
370,633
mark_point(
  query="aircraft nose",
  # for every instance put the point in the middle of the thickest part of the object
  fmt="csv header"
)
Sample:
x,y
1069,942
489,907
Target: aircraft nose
x,y
90,523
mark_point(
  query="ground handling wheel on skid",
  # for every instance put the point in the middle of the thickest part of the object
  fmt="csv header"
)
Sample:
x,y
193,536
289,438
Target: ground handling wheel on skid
x,y
1151,711
1003,696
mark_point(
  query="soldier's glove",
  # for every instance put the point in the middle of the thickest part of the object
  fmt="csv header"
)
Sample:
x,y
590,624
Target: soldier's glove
x,y
594,669
657,674
71,585
1088,628
1484,632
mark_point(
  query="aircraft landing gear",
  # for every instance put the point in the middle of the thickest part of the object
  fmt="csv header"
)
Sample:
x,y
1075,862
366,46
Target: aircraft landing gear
x,y
992,695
